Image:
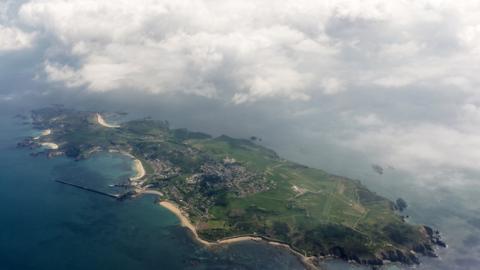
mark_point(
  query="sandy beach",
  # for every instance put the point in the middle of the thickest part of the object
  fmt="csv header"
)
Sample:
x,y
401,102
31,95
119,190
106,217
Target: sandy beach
x,y
137,164
149,191
46,132
50,145
102,122
239,239
186,223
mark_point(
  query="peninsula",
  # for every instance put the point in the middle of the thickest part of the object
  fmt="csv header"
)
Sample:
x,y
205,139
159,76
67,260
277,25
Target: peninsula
x,y
225,190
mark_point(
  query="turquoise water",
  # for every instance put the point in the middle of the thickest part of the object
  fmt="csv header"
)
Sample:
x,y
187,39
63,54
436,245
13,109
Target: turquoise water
x,y
47,225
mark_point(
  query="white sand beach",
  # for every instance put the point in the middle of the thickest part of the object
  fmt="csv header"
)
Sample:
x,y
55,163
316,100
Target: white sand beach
x,y
137,164
239,239
102,122
149,191
184,221
46,132
50,145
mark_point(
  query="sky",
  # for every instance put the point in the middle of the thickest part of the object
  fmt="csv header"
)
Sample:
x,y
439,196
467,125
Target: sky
x,y
395,81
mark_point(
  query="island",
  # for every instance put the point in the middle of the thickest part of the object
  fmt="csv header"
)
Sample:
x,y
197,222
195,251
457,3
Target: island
x,y
226,190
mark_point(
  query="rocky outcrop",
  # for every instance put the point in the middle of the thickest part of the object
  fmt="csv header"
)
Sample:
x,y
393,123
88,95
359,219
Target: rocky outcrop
x,y
393,255
385,257
396,255
434,236
27,142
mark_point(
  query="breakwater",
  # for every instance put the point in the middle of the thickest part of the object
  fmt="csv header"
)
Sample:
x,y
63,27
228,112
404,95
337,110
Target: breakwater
x,y
121,196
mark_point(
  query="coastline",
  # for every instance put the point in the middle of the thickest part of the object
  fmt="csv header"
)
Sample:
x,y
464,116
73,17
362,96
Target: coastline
x,y
137,164
185,222
45,132
103,123
49,145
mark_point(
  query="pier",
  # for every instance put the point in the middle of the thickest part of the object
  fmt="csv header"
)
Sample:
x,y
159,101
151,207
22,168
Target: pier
x,y
119,197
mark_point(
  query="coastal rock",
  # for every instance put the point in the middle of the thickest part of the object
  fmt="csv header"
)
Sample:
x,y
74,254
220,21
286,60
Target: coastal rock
x,y
400,256
28,142
377,168
425,250
434,236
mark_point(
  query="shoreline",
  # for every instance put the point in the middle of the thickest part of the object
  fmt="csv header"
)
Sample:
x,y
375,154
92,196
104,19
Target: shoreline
x,y
45,132
50,145
185,222
138,166
103,123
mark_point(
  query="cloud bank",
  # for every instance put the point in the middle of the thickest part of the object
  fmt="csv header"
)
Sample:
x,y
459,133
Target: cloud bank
x,y
396,80
250,50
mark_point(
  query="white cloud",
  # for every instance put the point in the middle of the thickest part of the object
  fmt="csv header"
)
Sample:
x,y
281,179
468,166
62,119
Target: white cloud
x,y
332,86
421,148
370,119
12,38
5,6
244,51
424,52
399,51
468,117
66,74
470,38
425,149
393,81
175,46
